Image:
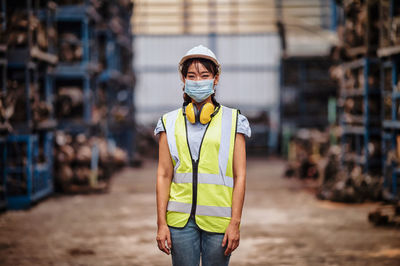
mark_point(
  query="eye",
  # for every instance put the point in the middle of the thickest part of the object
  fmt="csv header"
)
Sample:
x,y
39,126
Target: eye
x,y
204,76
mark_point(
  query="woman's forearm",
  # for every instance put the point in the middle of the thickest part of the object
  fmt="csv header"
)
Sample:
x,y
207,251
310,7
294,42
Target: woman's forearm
x,y
164,177
163,184
238,199
239,182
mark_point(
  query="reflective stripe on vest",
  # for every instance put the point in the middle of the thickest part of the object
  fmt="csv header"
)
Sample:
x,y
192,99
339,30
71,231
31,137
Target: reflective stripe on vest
x,y
200,210
210,198
204,179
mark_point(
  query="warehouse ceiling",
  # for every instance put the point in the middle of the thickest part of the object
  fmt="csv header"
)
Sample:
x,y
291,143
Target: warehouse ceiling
x,y
306,22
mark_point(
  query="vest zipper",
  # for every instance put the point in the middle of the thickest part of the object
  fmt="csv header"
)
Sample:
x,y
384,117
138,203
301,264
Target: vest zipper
x,y
195,169
195,166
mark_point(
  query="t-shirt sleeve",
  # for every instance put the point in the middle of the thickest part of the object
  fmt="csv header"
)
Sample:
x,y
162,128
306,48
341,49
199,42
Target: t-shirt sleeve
x,y
159,128
243,126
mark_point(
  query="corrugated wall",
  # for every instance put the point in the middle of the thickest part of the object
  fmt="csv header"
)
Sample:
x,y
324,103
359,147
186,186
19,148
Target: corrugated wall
x,y
249,80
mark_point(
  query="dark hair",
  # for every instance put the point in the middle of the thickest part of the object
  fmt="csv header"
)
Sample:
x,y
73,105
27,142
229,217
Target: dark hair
x,y
208,64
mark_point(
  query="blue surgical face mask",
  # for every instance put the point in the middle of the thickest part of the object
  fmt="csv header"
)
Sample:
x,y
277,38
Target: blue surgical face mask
x,y
199,90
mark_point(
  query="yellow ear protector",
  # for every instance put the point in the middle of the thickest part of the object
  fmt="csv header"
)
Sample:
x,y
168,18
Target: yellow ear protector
x,y
204,115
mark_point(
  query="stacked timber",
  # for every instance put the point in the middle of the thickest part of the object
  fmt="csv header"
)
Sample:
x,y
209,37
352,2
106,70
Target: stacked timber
x,y
389,34
306,148
359,30
84,164
342,185
49,76
26,111
389,50
70,48
353,172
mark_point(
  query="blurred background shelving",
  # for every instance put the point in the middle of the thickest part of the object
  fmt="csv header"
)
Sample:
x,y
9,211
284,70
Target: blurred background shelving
x,y
53,118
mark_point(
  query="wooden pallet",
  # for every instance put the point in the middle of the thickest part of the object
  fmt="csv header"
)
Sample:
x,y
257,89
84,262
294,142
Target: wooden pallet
x,y
386,215
101,187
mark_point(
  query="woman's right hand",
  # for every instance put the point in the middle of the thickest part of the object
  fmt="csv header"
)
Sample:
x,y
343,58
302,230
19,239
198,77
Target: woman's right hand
x,y
163,235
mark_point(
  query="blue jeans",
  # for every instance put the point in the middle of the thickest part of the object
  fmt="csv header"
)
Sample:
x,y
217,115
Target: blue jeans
x,y
190,241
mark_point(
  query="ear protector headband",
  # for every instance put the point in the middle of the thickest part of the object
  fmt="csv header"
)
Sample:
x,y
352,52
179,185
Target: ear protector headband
x,y
204,115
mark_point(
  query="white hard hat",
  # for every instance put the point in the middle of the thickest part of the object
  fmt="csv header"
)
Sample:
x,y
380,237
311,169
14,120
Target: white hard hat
x,y
200,51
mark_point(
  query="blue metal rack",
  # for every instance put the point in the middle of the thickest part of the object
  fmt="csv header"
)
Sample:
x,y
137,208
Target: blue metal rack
x,y
391,125
43,171
117,84
27,75
388,37
389,51
84,16
22,55
364,127
46,14
3,25
3,74
124,136
3,199
83,71
26,180
305,90
364,44
29,59
28,164
75,75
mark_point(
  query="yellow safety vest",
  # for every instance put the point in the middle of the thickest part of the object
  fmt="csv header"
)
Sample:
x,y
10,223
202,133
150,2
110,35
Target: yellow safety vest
x,y
202,188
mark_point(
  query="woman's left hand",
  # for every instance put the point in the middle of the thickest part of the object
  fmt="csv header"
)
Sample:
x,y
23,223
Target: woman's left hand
x,y
232,237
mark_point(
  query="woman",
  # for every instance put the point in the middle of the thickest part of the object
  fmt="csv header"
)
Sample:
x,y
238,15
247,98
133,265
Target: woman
x,y
201,169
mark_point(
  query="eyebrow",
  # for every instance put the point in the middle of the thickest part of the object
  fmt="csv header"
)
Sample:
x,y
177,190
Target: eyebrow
x,y
204,72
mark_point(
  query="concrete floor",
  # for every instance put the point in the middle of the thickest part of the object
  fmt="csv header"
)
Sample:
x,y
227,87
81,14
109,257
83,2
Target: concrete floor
x,y
283,224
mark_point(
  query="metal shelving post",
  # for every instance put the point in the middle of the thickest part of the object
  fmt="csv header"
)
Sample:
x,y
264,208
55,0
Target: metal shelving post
x,y
3,187
3,26
391,130
362,128
19,174
3,74
389,52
